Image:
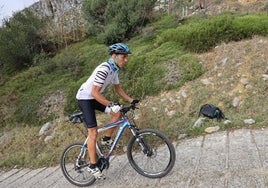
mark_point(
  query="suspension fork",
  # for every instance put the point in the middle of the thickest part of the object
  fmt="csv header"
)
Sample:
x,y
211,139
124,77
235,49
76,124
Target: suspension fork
x,y
81,155
144,146
83,150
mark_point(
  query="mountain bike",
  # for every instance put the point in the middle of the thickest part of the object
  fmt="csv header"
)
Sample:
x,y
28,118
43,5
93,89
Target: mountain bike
x,y
149,151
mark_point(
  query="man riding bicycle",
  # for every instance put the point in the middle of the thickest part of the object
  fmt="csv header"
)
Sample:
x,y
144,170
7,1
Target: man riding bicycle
x,y
90,98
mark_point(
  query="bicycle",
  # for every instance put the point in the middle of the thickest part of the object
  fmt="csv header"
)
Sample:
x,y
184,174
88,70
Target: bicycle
x,y
149,151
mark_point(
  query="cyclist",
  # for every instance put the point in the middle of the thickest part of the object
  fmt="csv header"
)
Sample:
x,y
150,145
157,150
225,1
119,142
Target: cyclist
x,y
90,98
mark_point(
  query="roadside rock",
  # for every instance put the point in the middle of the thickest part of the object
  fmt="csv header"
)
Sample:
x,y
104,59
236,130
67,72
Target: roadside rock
x,y
227,122
249,121
199,122
236,102
212,129
45,128
265,77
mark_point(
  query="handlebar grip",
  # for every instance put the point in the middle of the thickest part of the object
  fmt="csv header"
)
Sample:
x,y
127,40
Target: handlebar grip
x,y
135,101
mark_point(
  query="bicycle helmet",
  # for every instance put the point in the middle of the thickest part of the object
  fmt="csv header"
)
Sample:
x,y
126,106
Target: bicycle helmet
x,y
119,48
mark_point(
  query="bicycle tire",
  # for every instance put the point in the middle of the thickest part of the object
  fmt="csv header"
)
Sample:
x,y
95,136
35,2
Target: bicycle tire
x,y
163,156
74,173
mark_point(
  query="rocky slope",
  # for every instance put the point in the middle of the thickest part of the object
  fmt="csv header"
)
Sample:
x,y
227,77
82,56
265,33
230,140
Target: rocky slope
x,y
236,80
235,73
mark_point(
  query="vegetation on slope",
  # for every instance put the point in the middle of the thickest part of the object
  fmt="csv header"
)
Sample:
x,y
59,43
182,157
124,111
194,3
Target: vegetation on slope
x,y
148,70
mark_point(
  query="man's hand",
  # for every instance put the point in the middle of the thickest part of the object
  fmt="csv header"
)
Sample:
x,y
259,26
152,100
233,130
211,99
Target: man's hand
x,y
115,107
135,101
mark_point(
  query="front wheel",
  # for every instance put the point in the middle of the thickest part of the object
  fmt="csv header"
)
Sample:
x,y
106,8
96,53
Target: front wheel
x,y
151,153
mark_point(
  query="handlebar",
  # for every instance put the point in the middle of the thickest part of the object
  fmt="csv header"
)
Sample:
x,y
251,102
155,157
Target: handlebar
x,y
124,110
77,117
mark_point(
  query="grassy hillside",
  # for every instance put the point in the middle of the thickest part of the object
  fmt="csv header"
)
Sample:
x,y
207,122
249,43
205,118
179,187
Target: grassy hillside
x,y
175,68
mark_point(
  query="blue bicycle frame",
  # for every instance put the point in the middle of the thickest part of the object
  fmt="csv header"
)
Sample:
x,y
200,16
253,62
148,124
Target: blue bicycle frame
x,y
123,123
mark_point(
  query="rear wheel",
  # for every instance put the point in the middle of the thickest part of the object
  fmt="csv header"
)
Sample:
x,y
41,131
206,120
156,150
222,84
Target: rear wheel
x,y
151,153
74,163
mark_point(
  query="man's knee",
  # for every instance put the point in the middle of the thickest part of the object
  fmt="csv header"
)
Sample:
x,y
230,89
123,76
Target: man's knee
x,y
93,133
117,115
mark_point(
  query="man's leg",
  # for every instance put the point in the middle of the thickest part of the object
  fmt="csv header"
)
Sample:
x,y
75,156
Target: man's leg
x,y
88,108
91,144
115,117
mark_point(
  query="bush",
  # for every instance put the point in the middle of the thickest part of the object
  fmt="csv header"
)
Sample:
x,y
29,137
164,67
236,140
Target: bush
x,y
203,34
250,25
112,34
71,103
26,111
115,21
19,41
190,68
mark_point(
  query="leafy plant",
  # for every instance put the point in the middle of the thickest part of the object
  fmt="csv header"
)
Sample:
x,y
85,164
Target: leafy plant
x,y
116,21
19,41
200,35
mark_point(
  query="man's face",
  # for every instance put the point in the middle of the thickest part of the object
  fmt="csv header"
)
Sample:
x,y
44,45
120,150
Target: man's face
x,y
122,60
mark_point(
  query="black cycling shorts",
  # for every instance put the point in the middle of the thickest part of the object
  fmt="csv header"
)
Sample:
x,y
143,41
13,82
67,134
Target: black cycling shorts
x,y
88,108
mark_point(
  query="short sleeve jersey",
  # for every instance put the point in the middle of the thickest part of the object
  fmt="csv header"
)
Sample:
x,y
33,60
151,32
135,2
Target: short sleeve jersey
x,y
102,76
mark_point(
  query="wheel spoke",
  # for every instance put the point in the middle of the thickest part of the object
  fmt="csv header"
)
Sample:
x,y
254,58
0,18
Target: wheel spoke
x,y
75,171
163,154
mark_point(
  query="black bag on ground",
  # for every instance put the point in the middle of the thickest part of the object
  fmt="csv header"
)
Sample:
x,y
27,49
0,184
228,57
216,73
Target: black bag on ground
x,y
211,111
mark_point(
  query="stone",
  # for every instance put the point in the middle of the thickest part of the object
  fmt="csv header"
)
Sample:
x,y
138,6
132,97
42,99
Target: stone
x,y
227,122
154,109
45,128
184,93
265,77
244,81
199,122
249,86
171,113
249,121
224,61
205,81
236,101
182,136
48,138
212,129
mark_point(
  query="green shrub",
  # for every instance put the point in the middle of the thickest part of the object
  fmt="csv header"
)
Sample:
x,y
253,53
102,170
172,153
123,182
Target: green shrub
x,y
26,112
113,33
71,103
190,68
249,25
116,21
203,34
19,41
200,35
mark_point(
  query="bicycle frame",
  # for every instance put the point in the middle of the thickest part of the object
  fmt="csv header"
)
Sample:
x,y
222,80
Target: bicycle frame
x,y
123,123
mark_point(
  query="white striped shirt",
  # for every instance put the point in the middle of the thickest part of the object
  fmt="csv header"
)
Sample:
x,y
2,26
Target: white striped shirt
x,y
102,76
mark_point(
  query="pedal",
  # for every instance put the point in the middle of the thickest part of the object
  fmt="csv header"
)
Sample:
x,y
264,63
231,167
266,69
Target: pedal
x,y
101,177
